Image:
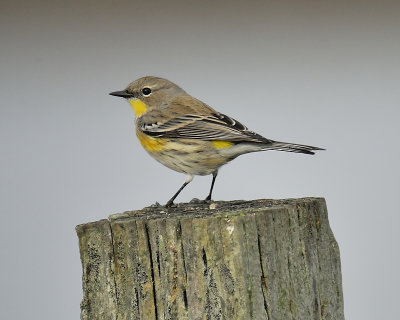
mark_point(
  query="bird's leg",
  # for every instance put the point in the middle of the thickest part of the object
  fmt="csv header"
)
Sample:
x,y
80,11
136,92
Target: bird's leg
x,y
171,201
212,186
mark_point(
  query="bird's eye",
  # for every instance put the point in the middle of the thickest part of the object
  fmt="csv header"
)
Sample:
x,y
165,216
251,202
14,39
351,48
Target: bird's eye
x,y
146,91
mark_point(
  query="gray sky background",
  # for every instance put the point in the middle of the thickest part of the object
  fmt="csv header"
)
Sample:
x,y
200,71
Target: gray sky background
x,y
313,72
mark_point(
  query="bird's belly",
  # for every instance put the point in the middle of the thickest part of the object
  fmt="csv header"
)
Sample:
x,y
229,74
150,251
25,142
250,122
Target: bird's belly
x,y
188,156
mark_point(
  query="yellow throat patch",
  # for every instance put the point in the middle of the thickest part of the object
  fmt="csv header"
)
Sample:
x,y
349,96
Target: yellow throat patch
x,y
138,106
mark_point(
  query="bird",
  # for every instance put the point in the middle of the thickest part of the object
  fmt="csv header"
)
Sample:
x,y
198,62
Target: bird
x,y
187,135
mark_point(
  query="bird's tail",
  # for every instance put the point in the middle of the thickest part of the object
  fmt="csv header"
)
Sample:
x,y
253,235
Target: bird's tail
x,y
291,147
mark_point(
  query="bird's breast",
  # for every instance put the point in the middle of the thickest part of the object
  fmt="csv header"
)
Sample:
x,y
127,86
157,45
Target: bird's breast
x,y
151,144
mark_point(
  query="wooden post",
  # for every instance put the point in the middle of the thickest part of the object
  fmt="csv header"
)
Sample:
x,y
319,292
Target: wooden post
x,y
261,259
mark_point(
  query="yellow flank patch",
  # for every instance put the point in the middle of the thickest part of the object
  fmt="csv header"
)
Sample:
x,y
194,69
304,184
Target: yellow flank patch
x,y
138,106
220,144
151,144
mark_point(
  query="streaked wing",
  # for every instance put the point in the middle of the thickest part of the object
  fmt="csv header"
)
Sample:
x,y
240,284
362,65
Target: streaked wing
x,y
205,127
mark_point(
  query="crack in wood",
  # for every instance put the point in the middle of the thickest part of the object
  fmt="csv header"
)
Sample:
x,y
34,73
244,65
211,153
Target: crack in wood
x,y
152,270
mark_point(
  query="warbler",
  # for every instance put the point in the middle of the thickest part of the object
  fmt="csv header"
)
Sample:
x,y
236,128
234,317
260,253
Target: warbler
x,y
188,136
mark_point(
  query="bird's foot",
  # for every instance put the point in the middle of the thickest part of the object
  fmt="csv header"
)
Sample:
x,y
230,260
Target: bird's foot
x,y
196,200
170,203
193,201
155,205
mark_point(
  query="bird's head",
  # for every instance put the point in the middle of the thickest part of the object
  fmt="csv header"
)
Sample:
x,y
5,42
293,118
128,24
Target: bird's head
x,y
147,93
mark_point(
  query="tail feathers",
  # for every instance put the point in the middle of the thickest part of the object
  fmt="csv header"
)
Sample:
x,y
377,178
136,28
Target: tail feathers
x,y
291,147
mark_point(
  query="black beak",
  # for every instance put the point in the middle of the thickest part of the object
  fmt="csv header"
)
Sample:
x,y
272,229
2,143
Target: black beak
x,y
122,94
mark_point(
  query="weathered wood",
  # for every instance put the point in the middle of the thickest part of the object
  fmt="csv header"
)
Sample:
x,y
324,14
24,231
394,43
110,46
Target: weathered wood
x,y
261,259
